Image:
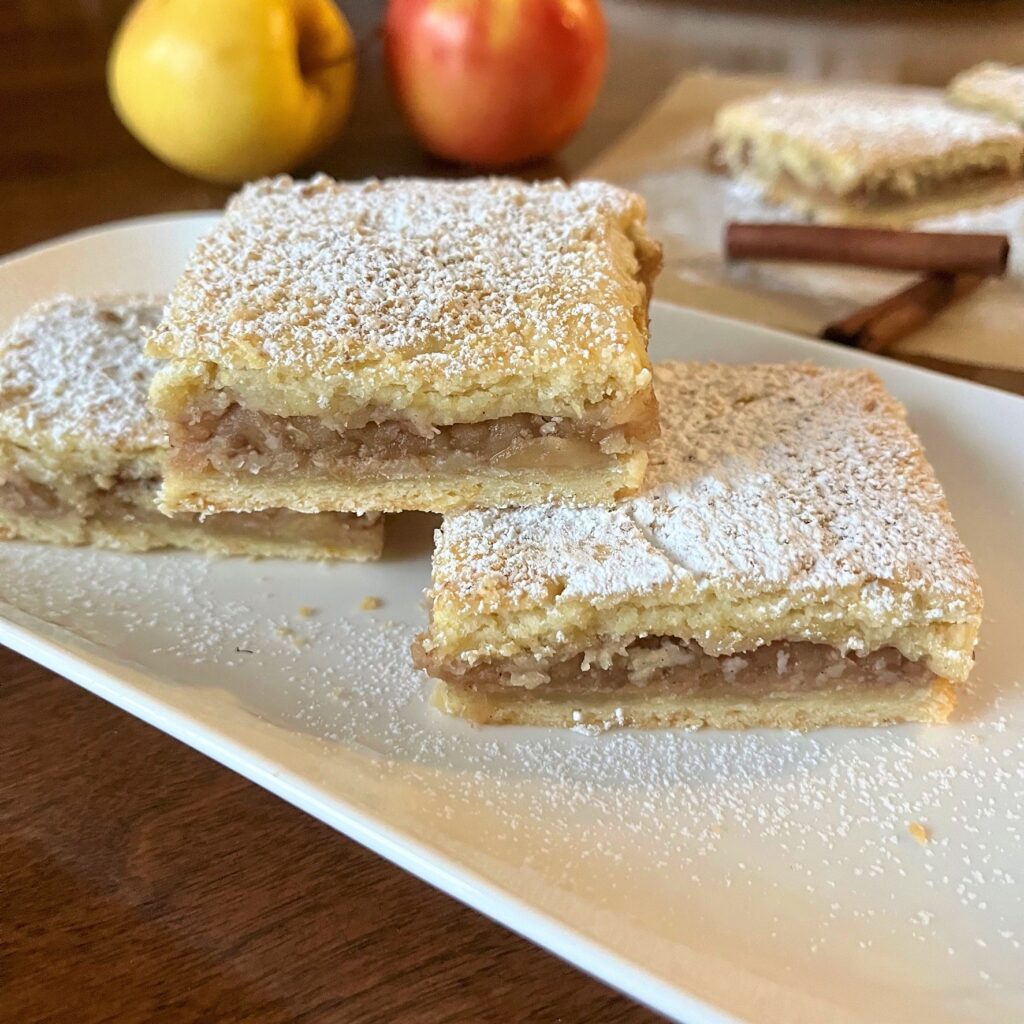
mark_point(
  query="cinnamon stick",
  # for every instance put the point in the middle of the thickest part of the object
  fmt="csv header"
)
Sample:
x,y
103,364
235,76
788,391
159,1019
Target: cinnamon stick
x,y
929,252
875,327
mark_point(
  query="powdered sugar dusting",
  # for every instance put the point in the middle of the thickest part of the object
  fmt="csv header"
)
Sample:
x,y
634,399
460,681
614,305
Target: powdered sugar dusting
x,y
447,276
871,126
73,376
764,476
767,480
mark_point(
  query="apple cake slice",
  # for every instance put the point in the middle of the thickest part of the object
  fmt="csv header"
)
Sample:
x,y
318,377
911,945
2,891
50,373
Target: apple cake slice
x,y
849,155
997,89
81,454
409,344
791,562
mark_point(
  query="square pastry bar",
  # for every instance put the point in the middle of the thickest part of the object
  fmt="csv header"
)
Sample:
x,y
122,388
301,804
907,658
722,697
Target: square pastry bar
x,y
995,88
81,455
791,562
410,344
868,155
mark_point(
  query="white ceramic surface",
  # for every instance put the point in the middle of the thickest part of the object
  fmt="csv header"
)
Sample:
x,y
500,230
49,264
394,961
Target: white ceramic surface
x,y
757,877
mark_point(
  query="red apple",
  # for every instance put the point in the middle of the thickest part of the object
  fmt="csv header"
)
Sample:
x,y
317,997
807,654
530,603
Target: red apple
x,y
495,82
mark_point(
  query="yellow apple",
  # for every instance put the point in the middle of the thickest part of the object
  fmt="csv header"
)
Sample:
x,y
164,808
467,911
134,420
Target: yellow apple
x,y
230,90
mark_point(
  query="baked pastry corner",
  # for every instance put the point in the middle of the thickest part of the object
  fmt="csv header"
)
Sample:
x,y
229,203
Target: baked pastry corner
x,y
410,344
791,559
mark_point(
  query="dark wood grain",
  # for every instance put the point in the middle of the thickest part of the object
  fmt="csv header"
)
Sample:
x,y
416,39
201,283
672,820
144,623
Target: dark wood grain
x,y
138,880
142,882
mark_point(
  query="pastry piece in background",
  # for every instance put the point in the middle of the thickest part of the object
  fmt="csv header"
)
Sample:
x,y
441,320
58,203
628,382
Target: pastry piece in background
x,y
410,344
791,562
81,454
995,88
860,155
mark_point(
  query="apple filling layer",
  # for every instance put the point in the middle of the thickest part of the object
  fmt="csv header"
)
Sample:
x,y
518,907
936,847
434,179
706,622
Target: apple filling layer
x,y
885,189
890,192
21,496
133,503
669,665
240,441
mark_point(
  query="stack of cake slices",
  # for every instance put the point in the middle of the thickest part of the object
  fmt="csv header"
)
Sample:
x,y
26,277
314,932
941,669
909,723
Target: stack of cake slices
x,y
770,549
82,453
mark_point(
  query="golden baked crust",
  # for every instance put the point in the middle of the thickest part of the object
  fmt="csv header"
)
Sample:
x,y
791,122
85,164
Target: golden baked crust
x,y
783,502
427,490
995,88
438,301
105,519
320,320
926,703
868,155
81,454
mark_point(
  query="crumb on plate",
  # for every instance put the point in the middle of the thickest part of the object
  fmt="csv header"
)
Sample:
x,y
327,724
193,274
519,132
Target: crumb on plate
x,y
920,832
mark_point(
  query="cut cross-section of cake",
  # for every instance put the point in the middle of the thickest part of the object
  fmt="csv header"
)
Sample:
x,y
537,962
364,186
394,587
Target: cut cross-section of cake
x,y
81,454
868,155
995,88
410,344
791,562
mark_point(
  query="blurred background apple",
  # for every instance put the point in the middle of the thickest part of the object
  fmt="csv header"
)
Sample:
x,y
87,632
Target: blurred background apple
x,y
228,90
495,83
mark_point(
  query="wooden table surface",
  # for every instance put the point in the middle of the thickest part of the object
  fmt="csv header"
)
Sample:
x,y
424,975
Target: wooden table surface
x,y
140,881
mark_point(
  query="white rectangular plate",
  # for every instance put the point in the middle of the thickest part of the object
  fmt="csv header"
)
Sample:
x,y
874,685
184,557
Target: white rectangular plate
x,y
765,877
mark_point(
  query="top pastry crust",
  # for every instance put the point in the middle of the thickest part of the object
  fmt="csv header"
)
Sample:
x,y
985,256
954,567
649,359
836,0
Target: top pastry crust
x,y
73,385
454,301
994,87
783,502
842,139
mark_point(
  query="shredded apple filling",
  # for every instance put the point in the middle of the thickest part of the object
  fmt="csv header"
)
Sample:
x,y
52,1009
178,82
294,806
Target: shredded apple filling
x,y
246,441
133,501
896,190
26,497
680,666
886,189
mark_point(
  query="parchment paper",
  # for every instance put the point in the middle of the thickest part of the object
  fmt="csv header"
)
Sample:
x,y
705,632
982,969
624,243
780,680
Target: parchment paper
x,y
665,159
